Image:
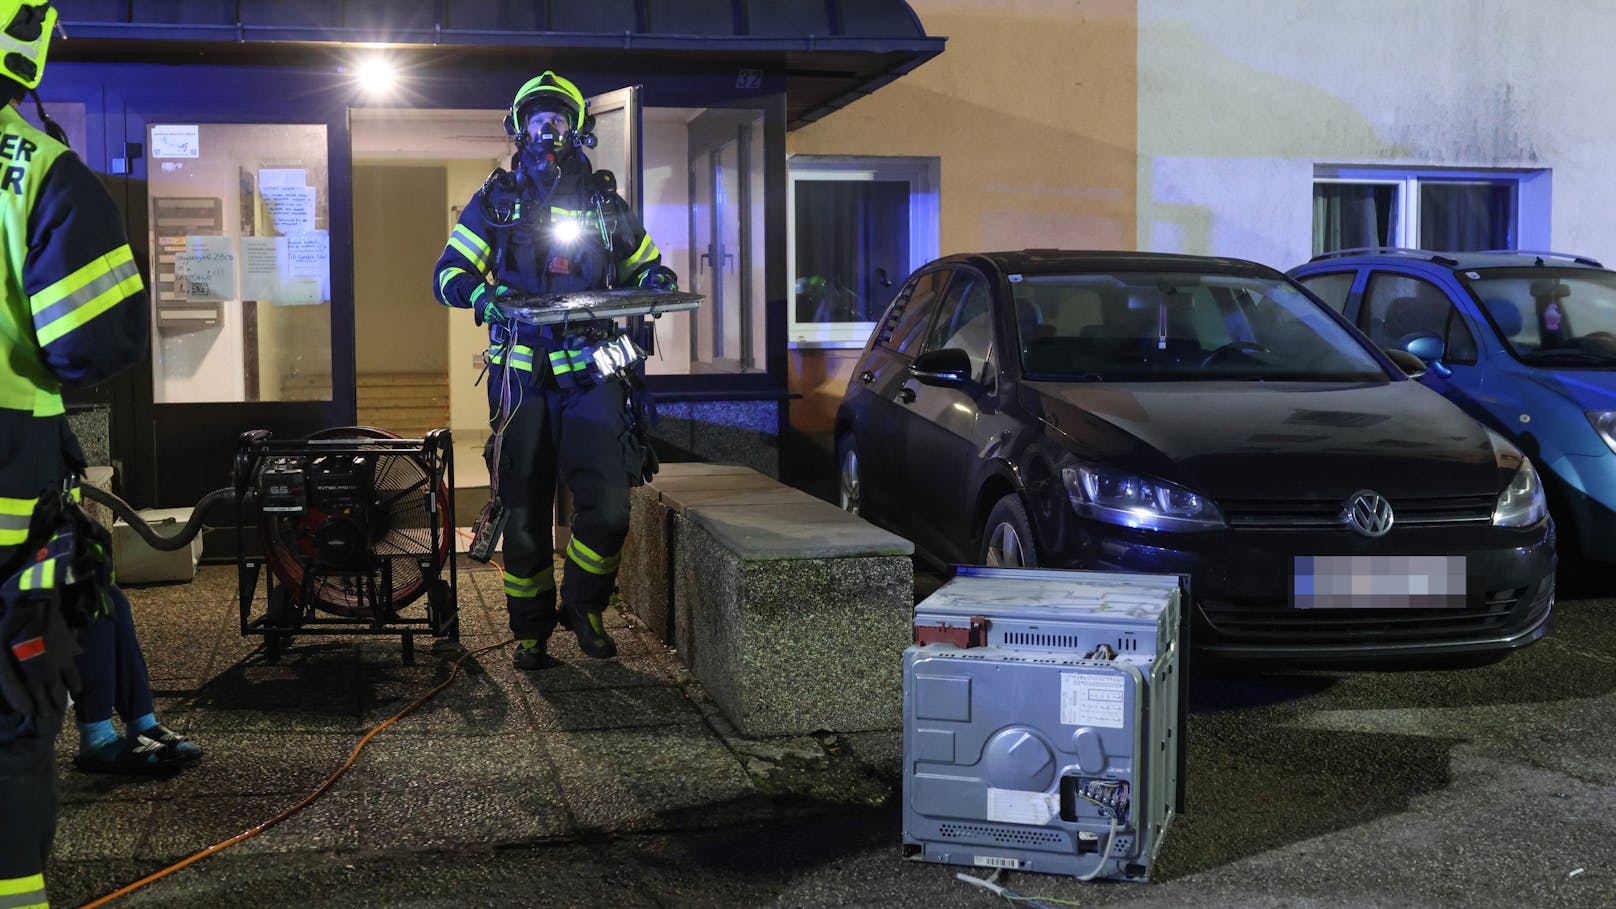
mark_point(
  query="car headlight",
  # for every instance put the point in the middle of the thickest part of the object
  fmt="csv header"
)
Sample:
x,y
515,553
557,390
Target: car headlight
x,y
1135,501
1521,503
1605,424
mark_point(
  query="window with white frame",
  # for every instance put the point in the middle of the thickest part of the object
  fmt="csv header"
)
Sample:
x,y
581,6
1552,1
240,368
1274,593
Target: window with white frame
x,y
858,227
1429,208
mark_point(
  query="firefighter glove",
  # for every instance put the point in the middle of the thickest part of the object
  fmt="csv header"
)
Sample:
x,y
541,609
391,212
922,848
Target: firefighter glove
x,y
659,277
484,298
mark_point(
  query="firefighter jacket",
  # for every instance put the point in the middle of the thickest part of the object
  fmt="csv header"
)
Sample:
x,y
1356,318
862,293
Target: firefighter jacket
x,y
512,234
73,310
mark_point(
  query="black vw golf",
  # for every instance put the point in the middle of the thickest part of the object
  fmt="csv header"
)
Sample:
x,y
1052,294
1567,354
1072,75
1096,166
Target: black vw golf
x,y
1161,413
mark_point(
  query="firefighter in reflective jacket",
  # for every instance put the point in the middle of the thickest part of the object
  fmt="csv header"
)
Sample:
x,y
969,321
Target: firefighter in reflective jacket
x,y
552,225
72,311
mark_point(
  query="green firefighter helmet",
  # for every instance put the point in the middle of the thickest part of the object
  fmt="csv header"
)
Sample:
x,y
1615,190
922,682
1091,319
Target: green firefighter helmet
x,y
25,34
546,90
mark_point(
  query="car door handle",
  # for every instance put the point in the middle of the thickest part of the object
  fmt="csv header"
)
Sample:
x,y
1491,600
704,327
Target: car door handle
x,y
866,377
906,395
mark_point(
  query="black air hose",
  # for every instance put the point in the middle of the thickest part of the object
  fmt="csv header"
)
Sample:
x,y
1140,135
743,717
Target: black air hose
x,y
152,537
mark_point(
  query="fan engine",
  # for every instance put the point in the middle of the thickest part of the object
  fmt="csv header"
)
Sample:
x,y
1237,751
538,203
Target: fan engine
x,y
355,522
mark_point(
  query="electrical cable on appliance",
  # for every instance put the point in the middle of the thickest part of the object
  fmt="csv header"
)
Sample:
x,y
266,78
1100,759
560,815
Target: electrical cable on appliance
x,y
307,800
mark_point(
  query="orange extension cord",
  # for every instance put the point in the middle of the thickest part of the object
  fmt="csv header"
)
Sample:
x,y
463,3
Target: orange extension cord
x,y
309,799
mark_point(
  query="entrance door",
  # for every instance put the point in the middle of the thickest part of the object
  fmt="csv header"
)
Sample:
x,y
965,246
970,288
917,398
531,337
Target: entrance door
x,y
251,320
725,267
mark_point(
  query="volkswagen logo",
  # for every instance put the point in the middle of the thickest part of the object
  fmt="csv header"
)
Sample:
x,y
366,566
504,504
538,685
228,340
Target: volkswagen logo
x,y
1369,513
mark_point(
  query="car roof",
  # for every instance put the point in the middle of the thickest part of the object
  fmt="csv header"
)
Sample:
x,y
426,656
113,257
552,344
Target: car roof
x,y
1058,261
1454,261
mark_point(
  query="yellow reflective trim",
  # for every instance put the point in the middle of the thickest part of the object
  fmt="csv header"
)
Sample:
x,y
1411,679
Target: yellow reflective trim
x,y
647,251
109,298
17,506
15,885
466,251
589,560
479,257
449,274
65,287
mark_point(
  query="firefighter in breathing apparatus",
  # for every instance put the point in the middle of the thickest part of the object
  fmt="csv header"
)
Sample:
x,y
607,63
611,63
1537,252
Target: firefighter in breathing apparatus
x,y
564,399
72,311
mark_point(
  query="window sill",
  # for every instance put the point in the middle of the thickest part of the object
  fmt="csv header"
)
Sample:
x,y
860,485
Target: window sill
x,y
825,345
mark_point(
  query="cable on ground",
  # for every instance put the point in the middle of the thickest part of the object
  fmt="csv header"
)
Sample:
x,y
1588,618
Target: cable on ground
x,y
308,800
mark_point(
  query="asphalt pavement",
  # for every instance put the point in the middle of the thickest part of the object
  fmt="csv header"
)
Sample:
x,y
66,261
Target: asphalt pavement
x,y
617,784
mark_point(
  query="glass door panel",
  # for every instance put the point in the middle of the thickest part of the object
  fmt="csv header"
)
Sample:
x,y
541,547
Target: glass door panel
x,y
726,199
617,140
241,274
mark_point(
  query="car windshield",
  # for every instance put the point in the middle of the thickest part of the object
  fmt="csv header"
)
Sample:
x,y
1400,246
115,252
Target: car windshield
x,y
1181,326
1559,316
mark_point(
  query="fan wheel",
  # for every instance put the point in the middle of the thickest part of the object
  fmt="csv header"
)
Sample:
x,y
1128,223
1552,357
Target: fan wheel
x,y
400,535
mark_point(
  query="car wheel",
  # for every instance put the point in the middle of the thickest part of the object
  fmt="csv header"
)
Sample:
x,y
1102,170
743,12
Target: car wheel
x,y
1007,536
850,479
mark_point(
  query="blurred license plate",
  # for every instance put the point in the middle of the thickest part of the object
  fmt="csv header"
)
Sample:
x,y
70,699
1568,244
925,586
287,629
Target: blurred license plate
x,y
1379,582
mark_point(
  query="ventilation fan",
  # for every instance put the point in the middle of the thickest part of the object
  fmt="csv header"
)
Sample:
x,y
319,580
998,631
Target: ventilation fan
x,y
356,523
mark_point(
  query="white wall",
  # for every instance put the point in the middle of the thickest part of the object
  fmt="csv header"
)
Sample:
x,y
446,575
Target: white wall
x,y
1238,100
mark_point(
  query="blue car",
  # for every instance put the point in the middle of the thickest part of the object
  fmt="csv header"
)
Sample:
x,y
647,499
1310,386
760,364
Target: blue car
x,y
1525,342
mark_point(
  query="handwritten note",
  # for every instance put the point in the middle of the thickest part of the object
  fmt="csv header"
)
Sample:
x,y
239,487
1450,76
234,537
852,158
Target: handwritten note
x,y
206,269
290,208
308,258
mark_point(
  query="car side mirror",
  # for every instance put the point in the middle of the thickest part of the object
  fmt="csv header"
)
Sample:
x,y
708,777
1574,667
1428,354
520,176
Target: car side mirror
x,y
1407,362
947,367
1431,349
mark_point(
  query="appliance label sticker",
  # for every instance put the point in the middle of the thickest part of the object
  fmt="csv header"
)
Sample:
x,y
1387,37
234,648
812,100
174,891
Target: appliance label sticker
x,y
1091,699
1017,806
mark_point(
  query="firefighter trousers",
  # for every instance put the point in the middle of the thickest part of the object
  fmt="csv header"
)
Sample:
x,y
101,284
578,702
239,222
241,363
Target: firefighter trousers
x,y
582,436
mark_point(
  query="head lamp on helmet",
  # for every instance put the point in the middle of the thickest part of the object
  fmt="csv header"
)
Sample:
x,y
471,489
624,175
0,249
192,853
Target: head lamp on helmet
x,y
25,34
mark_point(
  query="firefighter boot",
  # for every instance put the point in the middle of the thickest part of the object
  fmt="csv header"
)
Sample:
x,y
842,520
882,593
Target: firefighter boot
x,y
586,623
539,620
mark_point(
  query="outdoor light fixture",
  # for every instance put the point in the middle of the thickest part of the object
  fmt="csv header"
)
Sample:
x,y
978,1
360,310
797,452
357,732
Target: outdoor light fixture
x,y
377,75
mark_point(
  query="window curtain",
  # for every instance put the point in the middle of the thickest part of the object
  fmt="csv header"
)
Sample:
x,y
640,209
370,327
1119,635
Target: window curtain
x,y
1465,217
1352,215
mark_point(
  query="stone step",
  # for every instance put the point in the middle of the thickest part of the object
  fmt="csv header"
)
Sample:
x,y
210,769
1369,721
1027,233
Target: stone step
x,y
406,396
402,380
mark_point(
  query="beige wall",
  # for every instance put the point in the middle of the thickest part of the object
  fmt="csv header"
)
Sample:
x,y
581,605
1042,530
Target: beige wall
x,y
398,234
1031,110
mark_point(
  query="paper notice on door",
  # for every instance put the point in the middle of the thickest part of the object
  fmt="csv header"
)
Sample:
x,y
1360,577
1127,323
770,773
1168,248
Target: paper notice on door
x,y
290,208
205,270
261,267
290,271
308,258
176,141
282,176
